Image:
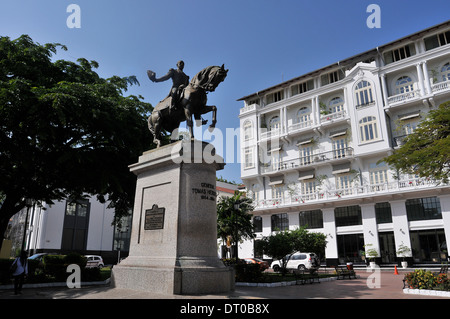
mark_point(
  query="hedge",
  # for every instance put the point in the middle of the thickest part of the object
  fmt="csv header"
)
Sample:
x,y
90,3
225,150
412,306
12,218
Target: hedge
x,y
52,269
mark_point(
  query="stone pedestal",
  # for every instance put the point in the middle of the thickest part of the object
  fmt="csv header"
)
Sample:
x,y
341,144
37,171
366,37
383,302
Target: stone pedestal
x,y
173,248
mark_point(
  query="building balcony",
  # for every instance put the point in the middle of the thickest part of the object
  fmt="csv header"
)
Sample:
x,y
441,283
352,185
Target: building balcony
x,y
299,126
310,160
333,117
248,108
441,87
356,192
271,134
404,97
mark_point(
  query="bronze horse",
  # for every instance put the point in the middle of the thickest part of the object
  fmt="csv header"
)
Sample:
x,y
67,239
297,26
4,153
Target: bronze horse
x,y
192,102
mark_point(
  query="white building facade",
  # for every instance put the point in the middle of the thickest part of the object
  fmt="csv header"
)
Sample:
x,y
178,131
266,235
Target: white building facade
x,y
313,147
82,226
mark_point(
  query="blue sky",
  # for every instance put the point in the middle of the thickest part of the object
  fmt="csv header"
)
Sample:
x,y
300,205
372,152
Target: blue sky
x,y
261,42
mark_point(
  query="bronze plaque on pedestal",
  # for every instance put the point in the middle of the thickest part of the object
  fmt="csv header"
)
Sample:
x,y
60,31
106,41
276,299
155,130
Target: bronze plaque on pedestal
x,y
154,218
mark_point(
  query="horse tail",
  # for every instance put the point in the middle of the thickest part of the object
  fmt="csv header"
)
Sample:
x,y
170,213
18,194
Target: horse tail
x,y
151,126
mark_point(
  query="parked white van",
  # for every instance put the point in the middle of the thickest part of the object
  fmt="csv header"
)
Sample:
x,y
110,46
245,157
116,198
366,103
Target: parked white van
x,y
299,261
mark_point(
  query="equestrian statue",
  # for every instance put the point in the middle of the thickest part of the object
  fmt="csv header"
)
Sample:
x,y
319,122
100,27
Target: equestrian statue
x,y
185,99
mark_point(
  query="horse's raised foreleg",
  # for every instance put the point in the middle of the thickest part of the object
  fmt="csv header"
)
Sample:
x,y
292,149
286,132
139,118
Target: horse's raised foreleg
x,y
213,109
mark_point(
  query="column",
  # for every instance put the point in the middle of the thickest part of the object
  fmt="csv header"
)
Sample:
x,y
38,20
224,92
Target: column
x,y
420,75
329,229
400,224
384,89
315,110
427,77
294,220
370,229
445,208
267,225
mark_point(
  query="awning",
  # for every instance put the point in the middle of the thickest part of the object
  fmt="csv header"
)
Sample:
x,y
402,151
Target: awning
x,y
305,141
306,175
276,180
275,149
341,168
408,116
338,133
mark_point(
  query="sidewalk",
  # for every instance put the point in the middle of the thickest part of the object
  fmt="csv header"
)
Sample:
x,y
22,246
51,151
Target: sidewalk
x,y
391,288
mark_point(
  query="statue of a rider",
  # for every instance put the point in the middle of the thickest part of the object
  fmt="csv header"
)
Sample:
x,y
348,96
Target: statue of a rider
x,y
180,81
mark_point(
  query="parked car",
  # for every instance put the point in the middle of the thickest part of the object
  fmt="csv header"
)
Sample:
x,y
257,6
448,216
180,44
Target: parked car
x,y
263,264
94,261
39,256
299,261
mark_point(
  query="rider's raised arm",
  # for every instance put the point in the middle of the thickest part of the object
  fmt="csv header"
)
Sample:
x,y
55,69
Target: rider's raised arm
x,y
152,77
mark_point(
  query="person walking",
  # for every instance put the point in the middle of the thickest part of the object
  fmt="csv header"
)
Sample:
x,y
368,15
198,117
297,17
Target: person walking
x,y
19,270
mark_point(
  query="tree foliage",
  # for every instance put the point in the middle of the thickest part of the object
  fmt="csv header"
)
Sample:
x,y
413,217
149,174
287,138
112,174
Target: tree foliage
x,y
426,152
64,130
281,245
235,222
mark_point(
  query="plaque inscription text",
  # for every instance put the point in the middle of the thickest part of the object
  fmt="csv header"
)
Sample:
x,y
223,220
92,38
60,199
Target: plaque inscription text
x,y
154,218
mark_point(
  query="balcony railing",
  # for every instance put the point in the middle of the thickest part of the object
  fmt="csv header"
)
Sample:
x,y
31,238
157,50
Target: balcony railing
x,y
312,159
403,96
355,192
332,117
270,134
248,108
441,86
299,125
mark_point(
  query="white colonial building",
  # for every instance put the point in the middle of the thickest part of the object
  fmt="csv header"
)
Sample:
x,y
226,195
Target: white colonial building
x,y
82,226
313,147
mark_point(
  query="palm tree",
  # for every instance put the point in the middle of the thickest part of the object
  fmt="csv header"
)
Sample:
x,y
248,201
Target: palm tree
x,y
234,220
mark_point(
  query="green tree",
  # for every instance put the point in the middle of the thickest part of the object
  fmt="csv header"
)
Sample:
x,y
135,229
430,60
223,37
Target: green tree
x,y
234,219
279,246
306,241
426,152
64,130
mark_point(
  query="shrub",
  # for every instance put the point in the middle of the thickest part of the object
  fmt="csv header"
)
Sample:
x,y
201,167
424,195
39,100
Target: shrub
x,y
54,266
248,272
91,274
421,279
442,282
74,258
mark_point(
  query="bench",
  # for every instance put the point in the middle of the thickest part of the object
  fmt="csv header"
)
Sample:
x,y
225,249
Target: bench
x,y
443,270
306,275
343,271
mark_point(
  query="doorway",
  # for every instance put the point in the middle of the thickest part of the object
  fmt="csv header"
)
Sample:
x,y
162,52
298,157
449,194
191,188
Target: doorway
x,y
387,247
429,246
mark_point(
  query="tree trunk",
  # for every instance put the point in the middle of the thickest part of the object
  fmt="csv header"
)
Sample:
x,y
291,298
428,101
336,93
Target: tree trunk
x,y
10,207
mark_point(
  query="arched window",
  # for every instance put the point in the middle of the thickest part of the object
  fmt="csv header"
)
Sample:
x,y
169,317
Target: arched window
x,y
368,129
336,105
404,84
363,94
274,123
304,115
248,130
445,72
